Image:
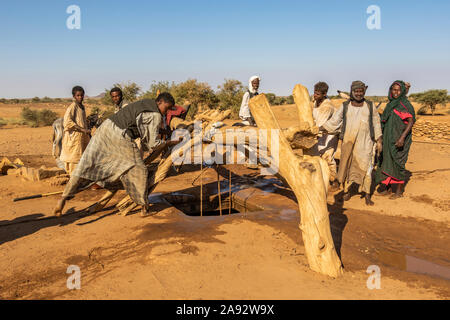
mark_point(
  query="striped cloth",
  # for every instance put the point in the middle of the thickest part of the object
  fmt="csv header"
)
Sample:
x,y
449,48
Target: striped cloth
x,y
110,157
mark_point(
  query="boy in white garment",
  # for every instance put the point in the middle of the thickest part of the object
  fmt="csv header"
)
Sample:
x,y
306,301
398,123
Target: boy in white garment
x,y
327,143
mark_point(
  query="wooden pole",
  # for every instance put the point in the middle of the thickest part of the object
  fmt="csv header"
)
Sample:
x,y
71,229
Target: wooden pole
x,y
218,188
229,192
201,181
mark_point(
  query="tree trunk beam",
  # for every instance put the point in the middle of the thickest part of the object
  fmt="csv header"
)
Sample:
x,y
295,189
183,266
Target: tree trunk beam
x,y
308,178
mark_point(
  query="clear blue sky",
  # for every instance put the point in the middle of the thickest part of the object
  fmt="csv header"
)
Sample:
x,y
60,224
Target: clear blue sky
x,y
285,42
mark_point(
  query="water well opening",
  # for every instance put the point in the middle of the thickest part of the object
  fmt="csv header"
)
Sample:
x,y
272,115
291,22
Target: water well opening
x,y
190,206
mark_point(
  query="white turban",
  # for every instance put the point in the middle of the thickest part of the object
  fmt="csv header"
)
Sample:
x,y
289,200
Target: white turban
x,y
250,86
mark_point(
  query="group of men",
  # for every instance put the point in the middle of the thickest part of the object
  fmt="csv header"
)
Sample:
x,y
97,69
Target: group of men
x,y
357,124
113,159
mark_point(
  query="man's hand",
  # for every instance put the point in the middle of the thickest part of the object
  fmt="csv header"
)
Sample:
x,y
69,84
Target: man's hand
x,y
400,143
322,129
379,146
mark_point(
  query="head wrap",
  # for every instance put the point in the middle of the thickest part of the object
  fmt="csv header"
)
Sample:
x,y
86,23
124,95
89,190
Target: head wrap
x,y
357,85
401,103
250,85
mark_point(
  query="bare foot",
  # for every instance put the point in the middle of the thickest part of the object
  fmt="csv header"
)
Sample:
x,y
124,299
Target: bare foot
x,y
396,196
369,201
146,212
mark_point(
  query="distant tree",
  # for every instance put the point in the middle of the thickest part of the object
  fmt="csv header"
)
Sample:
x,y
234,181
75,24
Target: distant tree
x,y
130,92
46,99
271,97
155,87
290,99
35,100
230,95
430,99
198,94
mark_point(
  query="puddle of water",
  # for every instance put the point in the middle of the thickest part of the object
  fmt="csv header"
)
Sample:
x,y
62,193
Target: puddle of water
x,y
413,264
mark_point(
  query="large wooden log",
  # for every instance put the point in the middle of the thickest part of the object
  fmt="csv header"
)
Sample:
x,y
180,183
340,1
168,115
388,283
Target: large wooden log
x,y
304,105
308,178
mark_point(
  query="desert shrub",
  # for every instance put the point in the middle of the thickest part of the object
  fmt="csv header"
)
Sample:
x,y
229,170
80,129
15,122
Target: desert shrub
x,y
430,99
130,92
194,92
230,96
155,87
47,100
37,118
2,122
30,116
279,100
271,97
191,91
3,100
290,99
47,117
35,100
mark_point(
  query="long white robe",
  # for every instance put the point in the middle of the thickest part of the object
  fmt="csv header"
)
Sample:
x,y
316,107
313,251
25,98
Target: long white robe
x,y
357,149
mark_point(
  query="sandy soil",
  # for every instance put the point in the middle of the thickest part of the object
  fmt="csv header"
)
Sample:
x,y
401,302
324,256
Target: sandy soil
x,y
257,255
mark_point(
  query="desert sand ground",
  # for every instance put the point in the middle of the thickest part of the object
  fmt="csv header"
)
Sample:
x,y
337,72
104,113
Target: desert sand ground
x,y
245,256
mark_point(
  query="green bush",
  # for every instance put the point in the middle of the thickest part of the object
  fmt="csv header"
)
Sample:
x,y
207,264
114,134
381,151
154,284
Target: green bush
x,y
47,100
2,122
161,86
271,97
36,118
47,117
279,100
196,93
230,96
